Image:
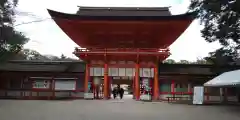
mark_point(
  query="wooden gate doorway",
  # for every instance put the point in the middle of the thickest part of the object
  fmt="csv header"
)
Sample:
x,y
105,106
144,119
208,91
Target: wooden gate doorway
x,y
125,82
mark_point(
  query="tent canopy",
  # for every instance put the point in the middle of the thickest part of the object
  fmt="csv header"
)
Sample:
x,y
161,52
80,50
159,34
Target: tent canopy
x,y
231,78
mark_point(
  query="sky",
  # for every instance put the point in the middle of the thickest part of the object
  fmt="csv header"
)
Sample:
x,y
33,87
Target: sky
x,y
48,39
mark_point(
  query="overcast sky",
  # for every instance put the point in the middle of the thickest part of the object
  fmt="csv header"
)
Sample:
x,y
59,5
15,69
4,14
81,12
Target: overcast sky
x,y
47,38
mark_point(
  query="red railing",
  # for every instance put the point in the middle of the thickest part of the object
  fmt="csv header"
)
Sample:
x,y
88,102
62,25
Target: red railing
x,y
120,50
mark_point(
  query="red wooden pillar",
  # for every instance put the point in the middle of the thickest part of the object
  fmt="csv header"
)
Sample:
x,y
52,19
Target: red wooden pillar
x,y
133,89
109,87
30,92
226,92
173,87
156,84
87,74
105,85
137,82
53,87
189,88
22,92
207,93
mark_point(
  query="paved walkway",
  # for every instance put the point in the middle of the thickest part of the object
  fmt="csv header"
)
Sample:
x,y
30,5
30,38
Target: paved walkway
x,y
111,110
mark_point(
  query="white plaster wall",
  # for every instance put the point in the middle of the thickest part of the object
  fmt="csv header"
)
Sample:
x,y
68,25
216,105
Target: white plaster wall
x,y
26,93
34,94
169,95
44,94
77,94
218,98
212,98
62,94
232,98
143,72
164,96
14,93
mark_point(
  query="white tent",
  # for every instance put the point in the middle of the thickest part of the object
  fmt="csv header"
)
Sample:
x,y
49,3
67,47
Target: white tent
x,y
231,78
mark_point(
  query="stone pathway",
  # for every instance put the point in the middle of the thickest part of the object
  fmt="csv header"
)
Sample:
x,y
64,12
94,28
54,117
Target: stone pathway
x,y
126,109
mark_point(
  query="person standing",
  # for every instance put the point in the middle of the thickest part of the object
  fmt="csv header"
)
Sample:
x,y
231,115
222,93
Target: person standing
x,y
121,93
114,92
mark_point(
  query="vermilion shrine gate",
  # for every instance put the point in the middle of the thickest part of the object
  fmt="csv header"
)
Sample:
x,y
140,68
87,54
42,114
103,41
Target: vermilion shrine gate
x,y
127,42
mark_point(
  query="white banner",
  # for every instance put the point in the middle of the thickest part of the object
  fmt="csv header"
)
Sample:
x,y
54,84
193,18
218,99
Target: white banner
x,y
152,72
88,96
97,72
91,71
129,72
114,72
65,85
146,72
141,72
102,74
145,97
122,72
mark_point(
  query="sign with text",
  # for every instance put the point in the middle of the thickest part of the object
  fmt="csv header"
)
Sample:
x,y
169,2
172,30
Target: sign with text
x,y
145,97
65,85
198,95
88,96
41,84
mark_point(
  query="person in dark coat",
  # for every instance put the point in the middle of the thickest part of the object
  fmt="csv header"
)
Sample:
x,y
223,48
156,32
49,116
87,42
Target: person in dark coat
x,y
114,92
121,93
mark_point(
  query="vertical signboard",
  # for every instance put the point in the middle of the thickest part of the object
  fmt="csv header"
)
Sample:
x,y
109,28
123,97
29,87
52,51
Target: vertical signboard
x,y
198,95
146,89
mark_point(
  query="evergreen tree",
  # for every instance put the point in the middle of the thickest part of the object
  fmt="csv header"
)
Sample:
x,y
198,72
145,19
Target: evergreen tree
x,y
11,41
221,20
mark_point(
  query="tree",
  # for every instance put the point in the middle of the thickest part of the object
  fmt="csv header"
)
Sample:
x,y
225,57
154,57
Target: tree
x,y
28,54
169,61
222,57
52,57
184,62
221,20
202,61
33,55
11,41
63,56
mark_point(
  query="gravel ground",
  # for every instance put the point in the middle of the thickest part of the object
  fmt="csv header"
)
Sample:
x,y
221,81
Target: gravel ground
x,y
111,110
